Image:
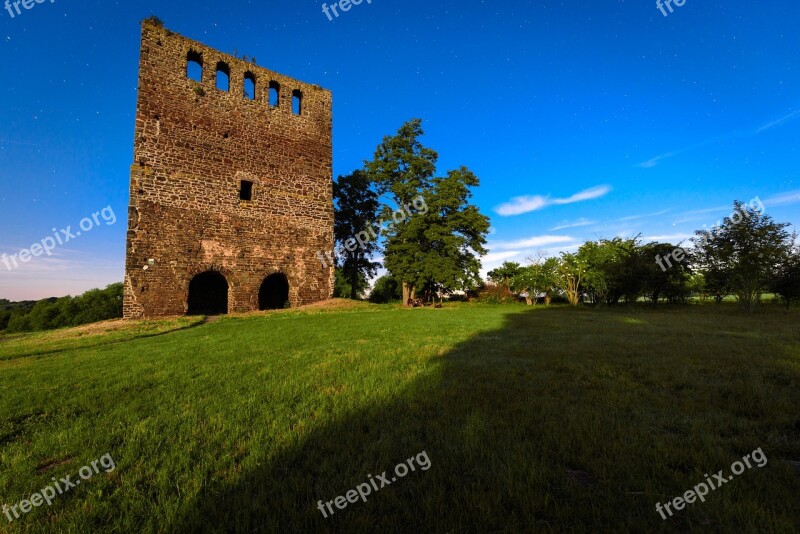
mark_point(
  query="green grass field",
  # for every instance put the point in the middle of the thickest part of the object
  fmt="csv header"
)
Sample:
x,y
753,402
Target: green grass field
x,y
533,420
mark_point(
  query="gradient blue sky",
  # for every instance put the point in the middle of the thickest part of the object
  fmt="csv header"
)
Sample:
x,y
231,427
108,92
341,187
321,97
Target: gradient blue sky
x,y
595,119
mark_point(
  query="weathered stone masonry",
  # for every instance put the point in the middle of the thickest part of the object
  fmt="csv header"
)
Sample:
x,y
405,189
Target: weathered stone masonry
x,y
196,148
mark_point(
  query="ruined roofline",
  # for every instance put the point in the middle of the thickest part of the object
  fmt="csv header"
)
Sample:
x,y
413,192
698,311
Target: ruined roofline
x,y
231,60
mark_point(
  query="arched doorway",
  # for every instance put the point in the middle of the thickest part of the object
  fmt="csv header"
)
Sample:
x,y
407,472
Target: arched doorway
x,y
208,294
274,292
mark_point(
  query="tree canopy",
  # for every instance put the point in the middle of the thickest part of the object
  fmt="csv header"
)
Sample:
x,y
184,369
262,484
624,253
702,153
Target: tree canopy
x,y
437,244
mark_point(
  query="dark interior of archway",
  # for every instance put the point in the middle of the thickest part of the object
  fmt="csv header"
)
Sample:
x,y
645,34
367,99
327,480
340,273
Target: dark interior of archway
x,y
208,294
274,293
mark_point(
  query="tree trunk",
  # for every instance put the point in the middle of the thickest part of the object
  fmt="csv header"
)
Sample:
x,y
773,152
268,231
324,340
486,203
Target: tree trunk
x,y
353,283
406,294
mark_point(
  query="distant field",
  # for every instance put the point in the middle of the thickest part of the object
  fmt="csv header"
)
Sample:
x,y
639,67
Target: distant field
x,y
547,419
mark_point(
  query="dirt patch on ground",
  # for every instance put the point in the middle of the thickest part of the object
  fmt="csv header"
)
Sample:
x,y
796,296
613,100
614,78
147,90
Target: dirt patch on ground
x,y
336,304
317,307
48,466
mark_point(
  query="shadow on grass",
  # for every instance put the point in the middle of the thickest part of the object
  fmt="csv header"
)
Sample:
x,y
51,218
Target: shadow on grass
x,y
520,436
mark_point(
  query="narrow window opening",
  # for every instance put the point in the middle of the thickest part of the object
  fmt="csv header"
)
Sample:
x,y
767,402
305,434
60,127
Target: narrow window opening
x,y
249,86
297,102
223,77
194,66
274,94
246,190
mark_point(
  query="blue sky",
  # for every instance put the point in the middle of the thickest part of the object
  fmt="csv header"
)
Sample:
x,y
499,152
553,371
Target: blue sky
x,y
582,119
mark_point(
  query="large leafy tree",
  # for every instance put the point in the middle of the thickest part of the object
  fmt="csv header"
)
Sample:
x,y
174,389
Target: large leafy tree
x,y
504,274
437,244
615,269
453,237
675,283
744,252
537,278
402,169
356,211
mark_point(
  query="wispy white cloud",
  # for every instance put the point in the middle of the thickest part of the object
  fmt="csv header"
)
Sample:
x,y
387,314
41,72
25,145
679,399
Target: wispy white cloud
x,y
778,122
587,194
493,258
575,224
783,199
531,242
526,204
673,238
496,259
520,205
699,215
642,216
706,210
652,162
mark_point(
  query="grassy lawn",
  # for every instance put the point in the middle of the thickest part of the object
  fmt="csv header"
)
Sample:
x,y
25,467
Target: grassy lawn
x,y
533,420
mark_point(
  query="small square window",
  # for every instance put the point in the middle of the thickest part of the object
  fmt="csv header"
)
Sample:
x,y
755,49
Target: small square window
x,y
246,190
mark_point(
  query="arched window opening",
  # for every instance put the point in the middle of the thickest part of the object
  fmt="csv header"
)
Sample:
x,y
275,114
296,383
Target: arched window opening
x,y
274,94
297,102
223,77
194,66
249,86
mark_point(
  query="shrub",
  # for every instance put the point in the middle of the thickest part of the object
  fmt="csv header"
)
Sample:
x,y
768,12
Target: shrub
x,y
386,290
154,20
496,294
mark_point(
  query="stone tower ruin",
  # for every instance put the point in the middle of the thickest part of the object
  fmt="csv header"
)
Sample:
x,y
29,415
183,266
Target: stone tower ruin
x,y
231,192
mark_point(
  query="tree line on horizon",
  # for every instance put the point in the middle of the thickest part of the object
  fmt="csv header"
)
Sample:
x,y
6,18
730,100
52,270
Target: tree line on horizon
x,y
47,314
439,252
748,255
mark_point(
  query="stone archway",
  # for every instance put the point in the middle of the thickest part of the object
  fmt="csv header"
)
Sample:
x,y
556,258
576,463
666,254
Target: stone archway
x,y
274,292
208,294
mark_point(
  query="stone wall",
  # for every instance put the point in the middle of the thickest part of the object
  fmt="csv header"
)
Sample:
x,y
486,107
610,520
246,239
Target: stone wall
x,y
194,146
